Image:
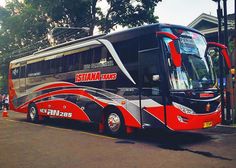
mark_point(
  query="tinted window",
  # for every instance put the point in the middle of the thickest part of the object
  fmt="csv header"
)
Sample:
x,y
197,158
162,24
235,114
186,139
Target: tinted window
x,y
87,57
22,72
96,55
127,50
15,73
77,61
148,41
45,67
34,69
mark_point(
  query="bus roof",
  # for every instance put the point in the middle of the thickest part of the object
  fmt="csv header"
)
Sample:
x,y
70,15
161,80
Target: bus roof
x,y
64,47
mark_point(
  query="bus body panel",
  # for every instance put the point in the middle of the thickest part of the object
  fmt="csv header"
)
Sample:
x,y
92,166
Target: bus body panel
x,y
80,86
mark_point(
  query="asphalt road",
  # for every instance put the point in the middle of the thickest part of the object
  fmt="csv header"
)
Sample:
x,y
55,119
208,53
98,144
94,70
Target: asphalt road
x,y
70,144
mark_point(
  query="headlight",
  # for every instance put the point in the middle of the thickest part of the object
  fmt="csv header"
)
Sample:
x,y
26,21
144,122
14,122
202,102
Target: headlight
x,y
183,108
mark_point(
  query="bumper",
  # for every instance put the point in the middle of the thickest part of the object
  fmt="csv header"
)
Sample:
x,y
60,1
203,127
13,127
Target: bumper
x,y
177,120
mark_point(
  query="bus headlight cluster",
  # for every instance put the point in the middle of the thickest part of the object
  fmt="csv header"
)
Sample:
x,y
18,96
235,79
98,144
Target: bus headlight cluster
x,y
183,108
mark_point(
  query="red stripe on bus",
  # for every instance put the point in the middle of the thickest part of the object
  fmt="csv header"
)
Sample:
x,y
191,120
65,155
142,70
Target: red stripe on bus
x,y
55,85
226,56
130,120
65,91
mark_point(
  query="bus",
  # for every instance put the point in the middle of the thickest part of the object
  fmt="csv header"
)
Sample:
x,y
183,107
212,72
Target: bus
x,y
152,76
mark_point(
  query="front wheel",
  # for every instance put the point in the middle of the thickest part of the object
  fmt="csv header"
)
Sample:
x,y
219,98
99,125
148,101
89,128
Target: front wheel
x,y
32,115
114,124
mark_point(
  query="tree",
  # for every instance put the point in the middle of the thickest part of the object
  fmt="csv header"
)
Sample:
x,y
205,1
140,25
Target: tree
x,y
21,26
24,24
125,13
87,13
62,13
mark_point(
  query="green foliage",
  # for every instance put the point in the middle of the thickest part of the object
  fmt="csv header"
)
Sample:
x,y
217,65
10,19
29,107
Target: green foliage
x,y
27,24
62,12
24,24
128,13
21,25
87,13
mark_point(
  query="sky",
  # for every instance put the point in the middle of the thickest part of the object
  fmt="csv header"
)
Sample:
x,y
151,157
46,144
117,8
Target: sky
x,y
183,12
2,2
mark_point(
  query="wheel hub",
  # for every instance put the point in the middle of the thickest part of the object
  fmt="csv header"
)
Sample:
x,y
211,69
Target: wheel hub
x,y
32,113
114,122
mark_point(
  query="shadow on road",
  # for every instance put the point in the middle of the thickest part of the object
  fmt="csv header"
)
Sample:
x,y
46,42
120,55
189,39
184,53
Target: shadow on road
x,y
165,139
177,141
207,154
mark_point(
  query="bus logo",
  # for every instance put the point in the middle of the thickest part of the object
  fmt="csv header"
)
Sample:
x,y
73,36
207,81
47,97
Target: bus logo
x,y
56,113
208,107
94,76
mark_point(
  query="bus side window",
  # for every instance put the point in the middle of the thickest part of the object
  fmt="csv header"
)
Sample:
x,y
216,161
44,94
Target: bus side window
x,y
15,73
53,66
128,50
148,41
34,69
106,56
28,70
86,58
71,62
104,53
96,55
150,62
59,65
65,63
77,61
45,67
22,71
38,68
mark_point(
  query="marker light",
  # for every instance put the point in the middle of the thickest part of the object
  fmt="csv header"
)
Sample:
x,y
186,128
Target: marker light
x,y
182,119
232,71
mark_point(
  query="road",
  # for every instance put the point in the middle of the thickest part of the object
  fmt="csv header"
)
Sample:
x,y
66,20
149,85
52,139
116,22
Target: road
x,y
71,144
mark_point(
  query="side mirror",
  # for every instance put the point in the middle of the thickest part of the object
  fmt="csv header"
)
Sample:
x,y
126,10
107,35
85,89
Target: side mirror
x,y
176,56
223,50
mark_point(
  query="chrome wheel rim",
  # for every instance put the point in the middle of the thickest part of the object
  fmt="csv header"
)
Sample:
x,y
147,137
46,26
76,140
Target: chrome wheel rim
x,y
114,122
32,113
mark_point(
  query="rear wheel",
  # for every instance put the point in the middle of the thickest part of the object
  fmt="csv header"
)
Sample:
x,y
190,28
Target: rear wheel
x,y
32,115
114,124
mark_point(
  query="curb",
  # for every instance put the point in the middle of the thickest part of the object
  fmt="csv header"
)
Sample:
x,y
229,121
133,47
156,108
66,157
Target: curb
x,y
226,126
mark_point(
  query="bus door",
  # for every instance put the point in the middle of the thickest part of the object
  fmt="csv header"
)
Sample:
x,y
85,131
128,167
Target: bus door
x,y
150,93
22,79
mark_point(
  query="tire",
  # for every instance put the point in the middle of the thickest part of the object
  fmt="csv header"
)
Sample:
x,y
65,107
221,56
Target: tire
x,y
114,124
32,114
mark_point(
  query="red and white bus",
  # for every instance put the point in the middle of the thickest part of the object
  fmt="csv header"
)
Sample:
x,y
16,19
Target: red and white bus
x,y
157,76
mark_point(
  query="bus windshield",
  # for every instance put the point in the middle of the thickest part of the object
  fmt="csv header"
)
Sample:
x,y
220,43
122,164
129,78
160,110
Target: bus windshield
x,y
196,71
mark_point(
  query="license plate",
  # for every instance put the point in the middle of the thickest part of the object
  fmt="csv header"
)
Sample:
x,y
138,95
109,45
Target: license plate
x,y
207,124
